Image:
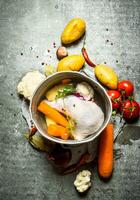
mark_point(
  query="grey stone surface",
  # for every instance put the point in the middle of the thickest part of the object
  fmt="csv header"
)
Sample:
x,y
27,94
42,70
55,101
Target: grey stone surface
x,y
30,27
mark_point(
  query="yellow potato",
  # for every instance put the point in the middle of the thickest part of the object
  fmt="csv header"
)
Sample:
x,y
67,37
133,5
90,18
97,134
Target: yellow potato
x,y
107,76
51,94
49,121
71,63
73,31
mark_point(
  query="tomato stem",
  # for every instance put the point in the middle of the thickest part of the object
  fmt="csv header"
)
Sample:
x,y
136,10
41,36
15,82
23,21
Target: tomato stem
x,y
84,42
114,112
131,98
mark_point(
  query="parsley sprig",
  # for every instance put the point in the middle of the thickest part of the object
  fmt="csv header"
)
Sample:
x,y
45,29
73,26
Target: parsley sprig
x,y
67,90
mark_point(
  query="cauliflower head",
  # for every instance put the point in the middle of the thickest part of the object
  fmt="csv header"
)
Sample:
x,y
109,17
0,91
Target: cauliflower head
x,y
82,181
85,90
29,83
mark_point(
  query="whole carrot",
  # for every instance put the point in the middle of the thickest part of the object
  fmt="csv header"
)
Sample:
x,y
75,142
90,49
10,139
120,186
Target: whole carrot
x,y
52,113
105,157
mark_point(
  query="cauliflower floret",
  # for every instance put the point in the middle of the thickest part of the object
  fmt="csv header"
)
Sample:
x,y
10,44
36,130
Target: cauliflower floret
x,y
85,90
29,83
82,181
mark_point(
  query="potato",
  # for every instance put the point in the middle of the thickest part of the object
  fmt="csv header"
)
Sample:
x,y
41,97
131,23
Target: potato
x,y
71,63
49,121
107,76
73,31
51,94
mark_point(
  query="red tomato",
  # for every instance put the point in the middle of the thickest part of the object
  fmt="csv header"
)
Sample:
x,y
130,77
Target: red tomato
x,y
115,97
127,87
130,109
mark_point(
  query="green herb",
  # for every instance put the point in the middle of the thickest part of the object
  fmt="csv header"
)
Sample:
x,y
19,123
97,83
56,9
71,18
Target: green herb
x,y
67,90
71,126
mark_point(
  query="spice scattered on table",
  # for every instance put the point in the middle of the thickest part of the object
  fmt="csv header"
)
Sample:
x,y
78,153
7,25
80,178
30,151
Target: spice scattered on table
x,y
54,45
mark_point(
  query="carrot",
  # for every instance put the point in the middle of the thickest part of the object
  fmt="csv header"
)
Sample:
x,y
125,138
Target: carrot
x,y
53,130
105,157
64,81
52,113
65,135
58,131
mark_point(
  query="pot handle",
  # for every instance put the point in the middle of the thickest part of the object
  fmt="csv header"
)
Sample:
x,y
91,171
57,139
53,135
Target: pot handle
x,y
89,73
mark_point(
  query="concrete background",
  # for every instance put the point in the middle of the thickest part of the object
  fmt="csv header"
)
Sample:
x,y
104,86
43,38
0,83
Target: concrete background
x,y
27,30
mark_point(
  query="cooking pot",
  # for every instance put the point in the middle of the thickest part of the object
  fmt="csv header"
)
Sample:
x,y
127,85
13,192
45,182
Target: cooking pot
x,y
88,144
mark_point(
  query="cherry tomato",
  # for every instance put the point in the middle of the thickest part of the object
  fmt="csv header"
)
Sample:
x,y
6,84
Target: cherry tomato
x,y
130,109
115,97
126,86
